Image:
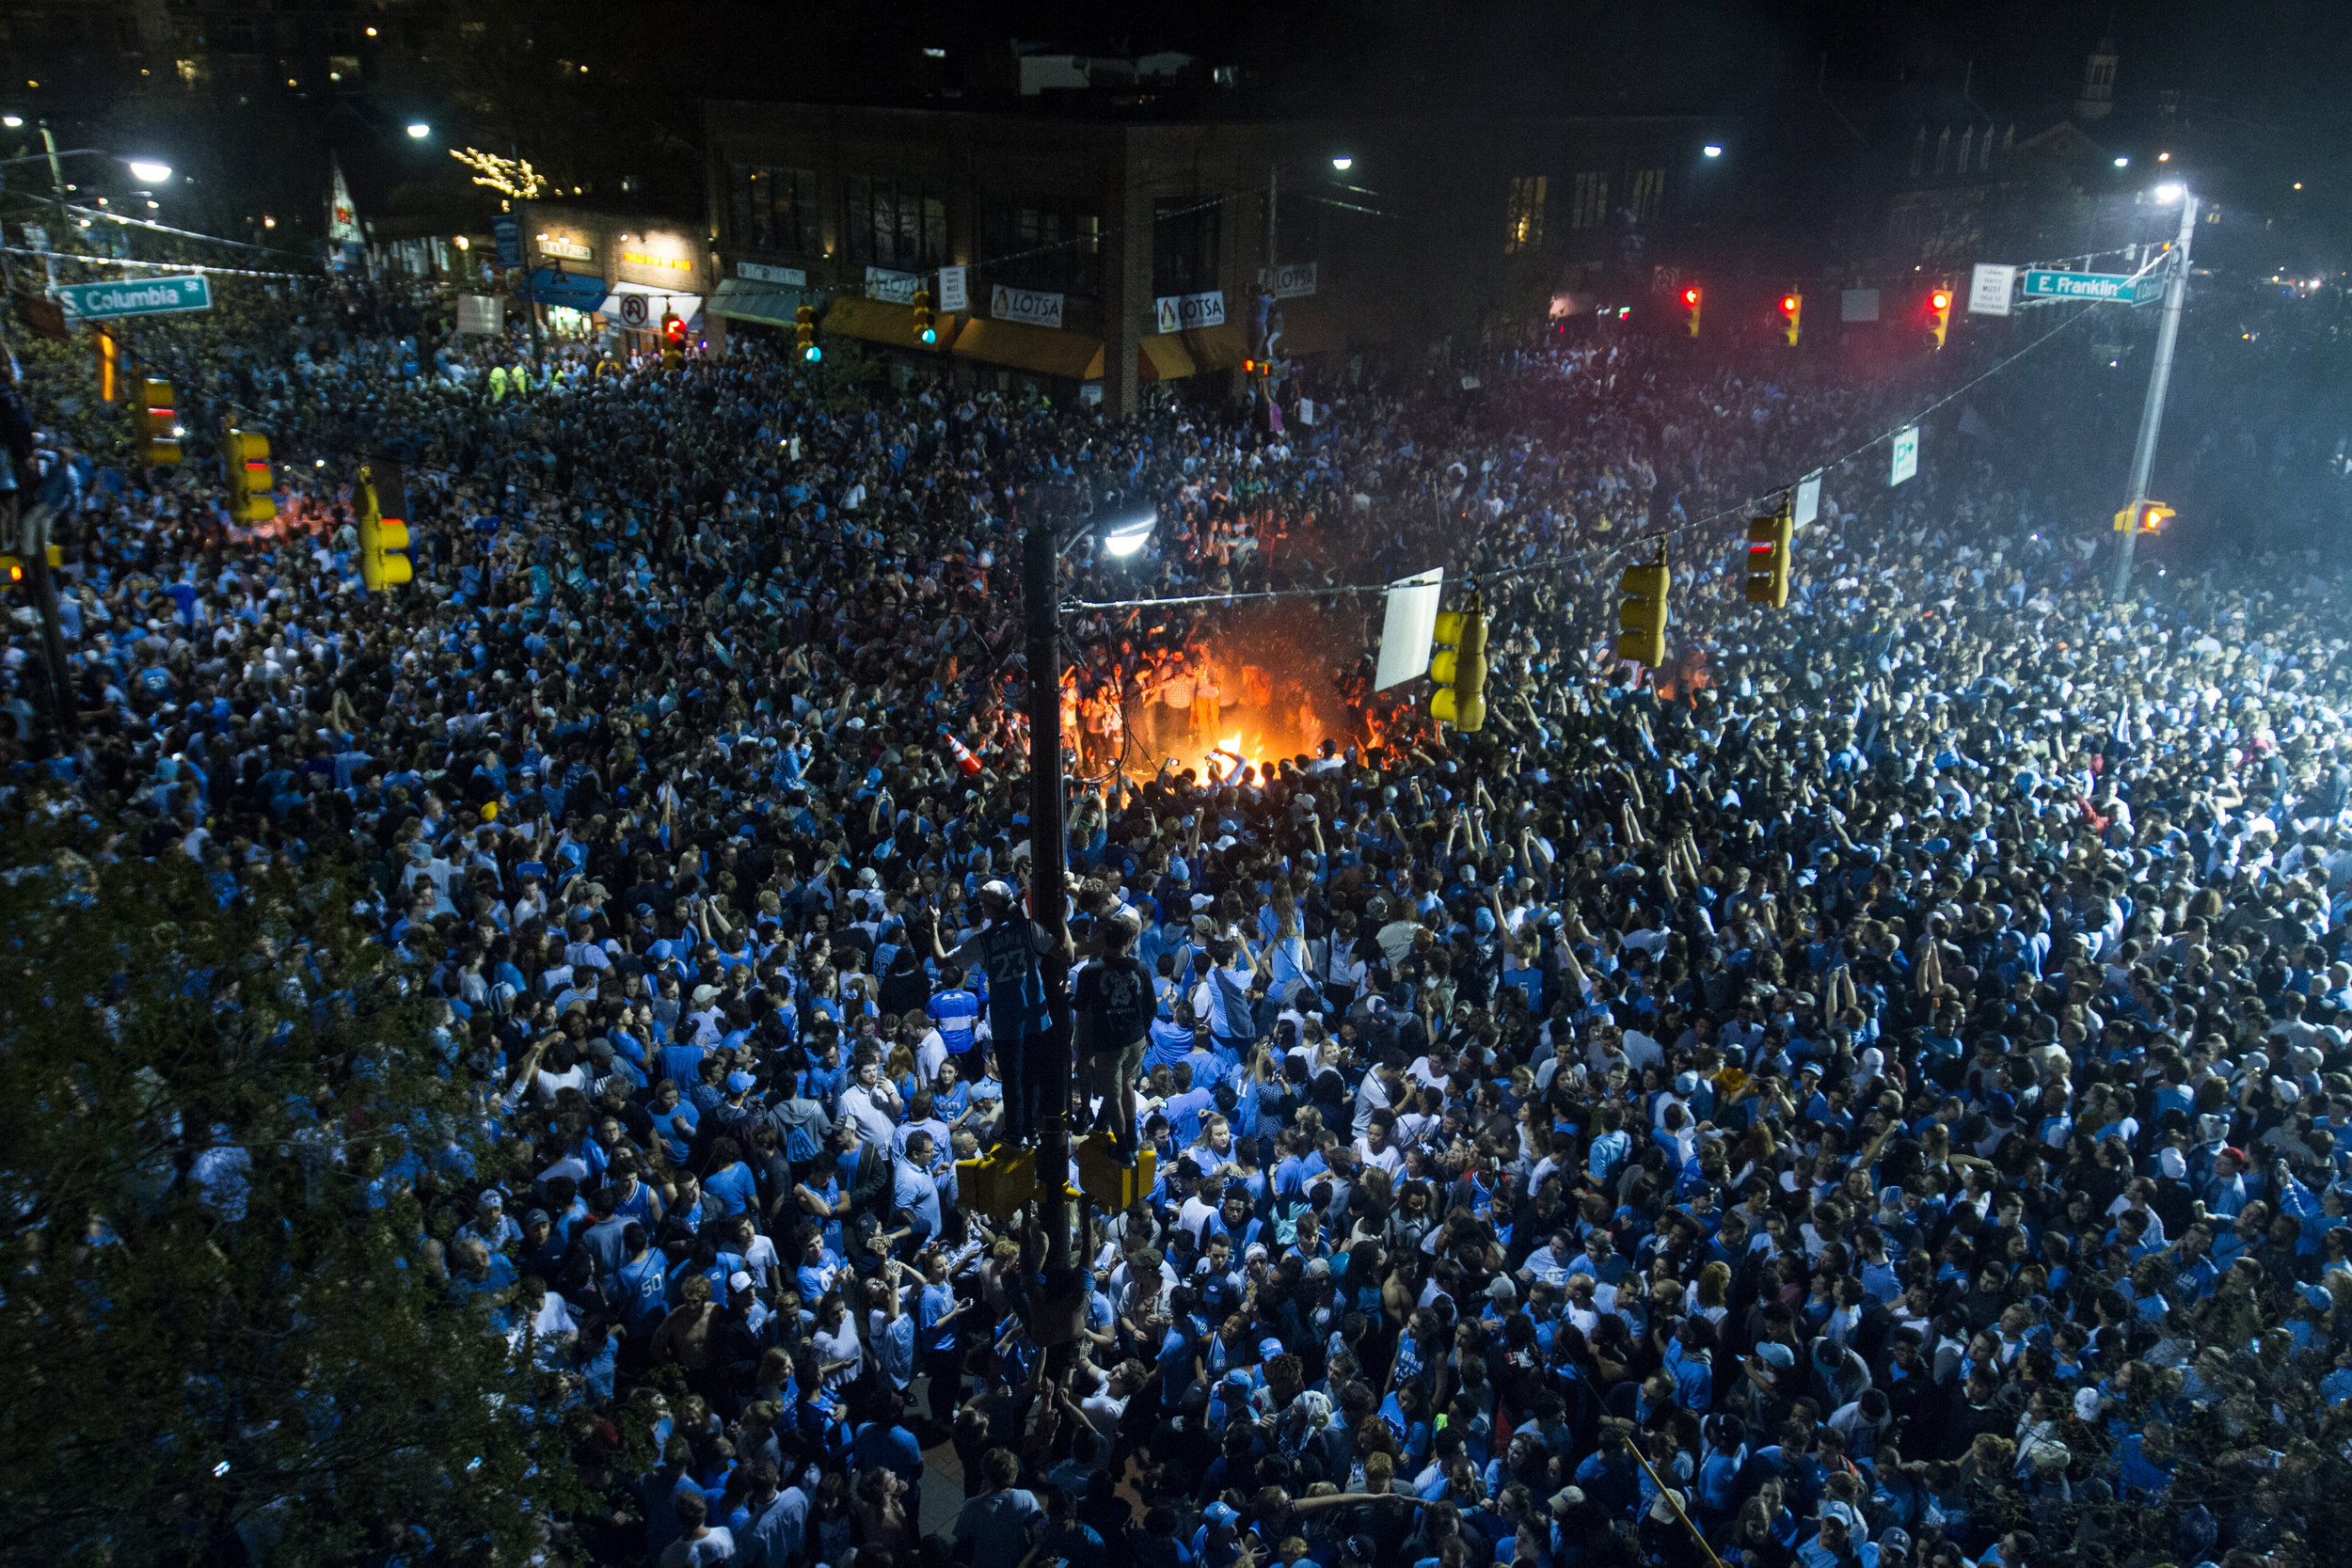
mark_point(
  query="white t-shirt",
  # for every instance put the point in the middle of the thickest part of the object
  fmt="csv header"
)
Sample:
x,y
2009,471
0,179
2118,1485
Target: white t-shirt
x,y
713,1547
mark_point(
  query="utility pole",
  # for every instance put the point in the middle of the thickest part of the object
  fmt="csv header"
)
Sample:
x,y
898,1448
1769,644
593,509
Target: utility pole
x,y
2152,412
1273,246
56,190
1058,1312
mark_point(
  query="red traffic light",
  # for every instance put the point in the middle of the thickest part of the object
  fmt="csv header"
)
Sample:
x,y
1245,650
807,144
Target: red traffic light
x,y
1941,299
674,327
1788,304
1689,296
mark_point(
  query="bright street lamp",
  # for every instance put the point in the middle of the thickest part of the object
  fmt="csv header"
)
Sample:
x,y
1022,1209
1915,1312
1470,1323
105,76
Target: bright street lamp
x,y
12,121
419,130
1713,150
1129,537
1342,162
149,172
2169,192
2122,163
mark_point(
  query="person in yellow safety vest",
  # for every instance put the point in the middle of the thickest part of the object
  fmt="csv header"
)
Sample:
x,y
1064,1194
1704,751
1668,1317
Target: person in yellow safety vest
x,y
497,383
521,380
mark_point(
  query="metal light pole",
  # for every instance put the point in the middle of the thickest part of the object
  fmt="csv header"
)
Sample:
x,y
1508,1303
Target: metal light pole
x,y
2152,412
1059,1311
56,189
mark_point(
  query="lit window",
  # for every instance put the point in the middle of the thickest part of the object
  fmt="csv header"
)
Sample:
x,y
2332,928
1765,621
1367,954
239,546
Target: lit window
x,y
1524,219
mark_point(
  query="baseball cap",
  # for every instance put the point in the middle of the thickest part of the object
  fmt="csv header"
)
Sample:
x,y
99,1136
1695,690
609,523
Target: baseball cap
x,y
1568,1497
1220,1512
1777,1354
738,1082
739,1280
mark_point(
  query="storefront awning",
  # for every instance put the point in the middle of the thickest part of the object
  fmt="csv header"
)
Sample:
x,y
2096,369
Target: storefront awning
x,y
1172,355
743,300
1046,350
1162,357
888,323
571,291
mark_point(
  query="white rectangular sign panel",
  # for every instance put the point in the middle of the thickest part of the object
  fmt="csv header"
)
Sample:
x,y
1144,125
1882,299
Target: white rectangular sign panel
x,y
1294,282
1989,288
954,291
481,315
759,272
1183,312
1808,501
1412,620
898,287
1034,306
1906,453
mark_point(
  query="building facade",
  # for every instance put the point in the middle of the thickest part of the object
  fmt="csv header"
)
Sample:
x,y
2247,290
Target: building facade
x,y
1099,255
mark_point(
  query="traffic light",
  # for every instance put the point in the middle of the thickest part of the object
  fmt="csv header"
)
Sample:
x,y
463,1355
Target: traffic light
x,y
1768,559
156,425
1000,1183
1113,1186
1458,663
2147,517
1690,297
247,457
1792,313
12,573
1642,616
672,331
383,541
109,360
804,334
925,332
1940,314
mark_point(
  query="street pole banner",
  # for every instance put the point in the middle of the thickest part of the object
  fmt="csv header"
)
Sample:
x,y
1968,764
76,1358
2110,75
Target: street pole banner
x,y
1183,312
1034,306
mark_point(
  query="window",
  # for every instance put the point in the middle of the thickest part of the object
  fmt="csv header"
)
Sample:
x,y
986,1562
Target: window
x,y
1185,230
1523,215
1040,242
238,33
896,223
1590,207
1649,191
776,209
343,68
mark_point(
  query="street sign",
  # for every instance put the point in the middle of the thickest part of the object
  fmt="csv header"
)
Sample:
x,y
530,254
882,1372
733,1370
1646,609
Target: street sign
x,y
955,289
507,230
1989,288
141,296
2042,284
1906,454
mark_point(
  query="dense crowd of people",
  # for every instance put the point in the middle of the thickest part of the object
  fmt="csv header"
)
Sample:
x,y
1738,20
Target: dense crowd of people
x,y
1861,1094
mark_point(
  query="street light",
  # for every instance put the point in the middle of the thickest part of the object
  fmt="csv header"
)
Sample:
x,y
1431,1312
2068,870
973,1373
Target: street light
x,y
1131,536
14,122
2122,163
149,172
419,130
1342,162
2167,193
1713,150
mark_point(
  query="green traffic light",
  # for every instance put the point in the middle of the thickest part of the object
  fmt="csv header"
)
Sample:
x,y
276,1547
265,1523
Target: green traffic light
x,y
930,336
812,353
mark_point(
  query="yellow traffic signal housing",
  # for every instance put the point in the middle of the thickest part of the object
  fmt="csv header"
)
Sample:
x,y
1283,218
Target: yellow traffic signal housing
x,y
246,456
12,573
1642,616
926,332
1791,316
1110,1184
156,425
1768,560
383,541
109,360
804,334
2147,517
1458,663
1692,297
1940,312
999,1182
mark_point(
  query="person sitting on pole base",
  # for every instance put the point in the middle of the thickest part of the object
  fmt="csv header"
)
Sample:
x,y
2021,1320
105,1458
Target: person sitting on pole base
x,y
1008,947
1112,1013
